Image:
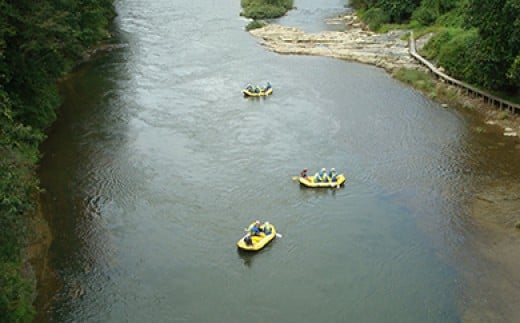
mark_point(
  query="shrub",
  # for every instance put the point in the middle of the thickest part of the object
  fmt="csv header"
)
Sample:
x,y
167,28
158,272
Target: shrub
x,y
15,295
432,49
456,55
418,79
265,9
255,24
425,16
375,18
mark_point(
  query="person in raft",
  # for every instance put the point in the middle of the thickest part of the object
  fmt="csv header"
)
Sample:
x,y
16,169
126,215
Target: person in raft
x,y
255,229
267,228
320,177
333,175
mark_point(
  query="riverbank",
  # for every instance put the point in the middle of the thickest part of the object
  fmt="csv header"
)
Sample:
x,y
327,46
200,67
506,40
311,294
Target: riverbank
x,y
492,291
389,51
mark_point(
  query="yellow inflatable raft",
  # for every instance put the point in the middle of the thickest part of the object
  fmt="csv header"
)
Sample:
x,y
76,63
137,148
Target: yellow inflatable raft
x,y
262,92
310,182
257,242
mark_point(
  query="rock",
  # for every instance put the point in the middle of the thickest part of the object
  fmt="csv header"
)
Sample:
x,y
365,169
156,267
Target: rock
x,y
387,50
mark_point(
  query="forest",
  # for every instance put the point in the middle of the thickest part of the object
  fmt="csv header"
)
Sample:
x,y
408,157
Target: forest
x,y
40,41
477,41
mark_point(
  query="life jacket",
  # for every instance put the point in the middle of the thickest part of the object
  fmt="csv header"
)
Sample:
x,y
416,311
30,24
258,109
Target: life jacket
x,y
317,177
255,230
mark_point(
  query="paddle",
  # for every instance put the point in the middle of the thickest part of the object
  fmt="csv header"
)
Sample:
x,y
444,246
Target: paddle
x,y
295,178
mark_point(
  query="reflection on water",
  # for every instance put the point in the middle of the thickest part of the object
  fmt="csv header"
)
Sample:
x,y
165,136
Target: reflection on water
x,y
157,161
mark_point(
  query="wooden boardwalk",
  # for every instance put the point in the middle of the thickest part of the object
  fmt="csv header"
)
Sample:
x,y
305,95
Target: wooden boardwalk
x,y
470,90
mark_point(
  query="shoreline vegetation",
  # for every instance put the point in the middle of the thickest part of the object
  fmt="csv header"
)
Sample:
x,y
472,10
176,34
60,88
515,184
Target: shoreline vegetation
x,y
40,43
494,205
54,38
390,51
258,10
451,34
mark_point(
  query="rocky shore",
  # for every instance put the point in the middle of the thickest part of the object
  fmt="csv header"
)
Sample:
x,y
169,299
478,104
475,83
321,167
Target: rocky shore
x,y
494,208
356,43
389,51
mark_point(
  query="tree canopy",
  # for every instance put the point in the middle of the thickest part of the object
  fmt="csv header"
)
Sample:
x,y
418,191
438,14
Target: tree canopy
x,y
477,41
39,42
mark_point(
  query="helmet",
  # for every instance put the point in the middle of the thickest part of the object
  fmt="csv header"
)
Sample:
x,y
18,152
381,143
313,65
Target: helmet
x,y
323,170
257,222
266,223
333,169
305,169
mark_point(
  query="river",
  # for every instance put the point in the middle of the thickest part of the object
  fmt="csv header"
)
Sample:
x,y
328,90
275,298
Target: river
x,y
157,163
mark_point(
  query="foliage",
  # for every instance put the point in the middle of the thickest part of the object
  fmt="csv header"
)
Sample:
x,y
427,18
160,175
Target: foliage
x,y
498,24
514,71
18,148
15,294
362,4
255,24
43,40
418,79
453,18
375,18
425,15
432,49
399,10
265,9
39,42
478,40
457,55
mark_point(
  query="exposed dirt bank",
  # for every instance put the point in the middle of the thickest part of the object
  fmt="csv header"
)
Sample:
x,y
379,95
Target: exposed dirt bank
x,y
37,252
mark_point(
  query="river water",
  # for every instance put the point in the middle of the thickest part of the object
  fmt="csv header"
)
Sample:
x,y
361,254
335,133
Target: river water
x,y
157,163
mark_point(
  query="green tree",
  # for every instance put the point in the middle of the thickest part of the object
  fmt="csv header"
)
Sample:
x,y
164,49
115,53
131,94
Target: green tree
x,y
498,24
399,11
39,42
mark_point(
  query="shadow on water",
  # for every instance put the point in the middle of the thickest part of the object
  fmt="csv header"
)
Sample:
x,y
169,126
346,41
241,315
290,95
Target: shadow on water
x,y
248,256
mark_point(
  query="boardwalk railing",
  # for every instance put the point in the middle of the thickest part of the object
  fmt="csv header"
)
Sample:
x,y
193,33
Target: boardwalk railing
x,y
470,90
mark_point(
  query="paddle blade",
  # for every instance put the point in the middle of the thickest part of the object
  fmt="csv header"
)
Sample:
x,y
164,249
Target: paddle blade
x,y
278,235
295,178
